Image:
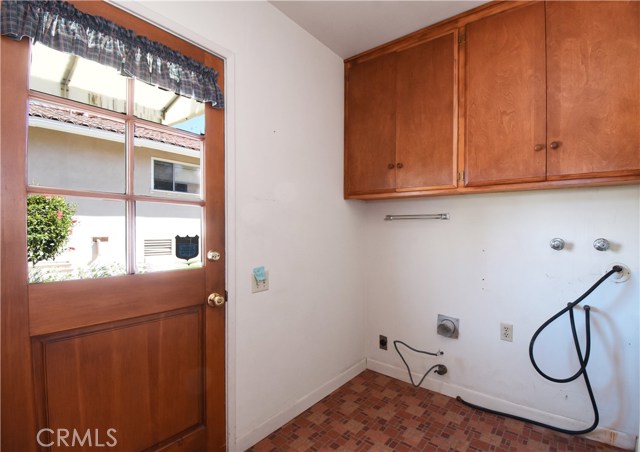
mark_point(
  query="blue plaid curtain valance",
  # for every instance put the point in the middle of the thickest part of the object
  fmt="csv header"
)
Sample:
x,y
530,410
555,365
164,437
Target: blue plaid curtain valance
x,y
62,27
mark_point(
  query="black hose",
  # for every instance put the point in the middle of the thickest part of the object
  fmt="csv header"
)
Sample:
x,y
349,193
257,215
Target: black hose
x,y
439,367
583,361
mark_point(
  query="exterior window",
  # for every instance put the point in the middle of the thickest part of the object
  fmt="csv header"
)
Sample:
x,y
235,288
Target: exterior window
x,y
178,177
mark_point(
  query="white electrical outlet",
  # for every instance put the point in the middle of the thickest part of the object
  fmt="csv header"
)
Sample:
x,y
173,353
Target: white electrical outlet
x,y
259,285
506,332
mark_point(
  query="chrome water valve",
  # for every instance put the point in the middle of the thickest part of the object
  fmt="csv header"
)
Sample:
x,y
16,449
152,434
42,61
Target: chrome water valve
x,y
556,243
601,244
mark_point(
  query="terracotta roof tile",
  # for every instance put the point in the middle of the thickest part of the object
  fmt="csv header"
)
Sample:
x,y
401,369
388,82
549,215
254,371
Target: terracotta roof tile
x,y
91,121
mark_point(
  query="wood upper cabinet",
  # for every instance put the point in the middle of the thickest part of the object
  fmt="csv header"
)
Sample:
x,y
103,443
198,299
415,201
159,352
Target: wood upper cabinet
x,y
521,95
593,88
553,92
370,135
505,97
425,105
400,122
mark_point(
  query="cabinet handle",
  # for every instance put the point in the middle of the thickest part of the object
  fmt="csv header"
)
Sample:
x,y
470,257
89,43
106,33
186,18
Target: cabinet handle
x,y
399,165
391,166
554,145
538,147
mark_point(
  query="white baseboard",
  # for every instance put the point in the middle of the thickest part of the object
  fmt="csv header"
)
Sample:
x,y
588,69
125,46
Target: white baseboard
x,y
436,384
297,407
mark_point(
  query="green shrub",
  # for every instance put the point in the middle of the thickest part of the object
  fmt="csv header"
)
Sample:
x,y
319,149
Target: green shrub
x,y
49,224
42,275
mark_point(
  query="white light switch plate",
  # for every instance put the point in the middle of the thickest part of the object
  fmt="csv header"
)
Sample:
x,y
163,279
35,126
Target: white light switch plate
x,y
259,286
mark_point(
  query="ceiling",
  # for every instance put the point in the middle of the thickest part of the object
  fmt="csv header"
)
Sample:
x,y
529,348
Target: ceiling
x,y
350,27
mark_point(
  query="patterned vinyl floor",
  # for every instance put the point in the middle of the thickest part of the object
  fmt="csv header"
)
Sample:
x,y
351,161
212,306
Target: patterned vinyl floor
x,y
373,412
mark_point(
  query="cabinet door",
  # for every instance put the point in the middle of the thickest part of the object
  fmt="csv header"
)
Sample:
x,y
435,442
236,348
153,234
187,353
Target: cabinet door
x,y
593,78
505,97
425,147
371,126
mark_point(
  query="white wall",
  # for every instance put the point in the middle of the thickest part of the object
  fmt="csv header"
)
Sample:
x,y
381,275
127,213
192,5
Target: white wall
x,y
492,263
294,343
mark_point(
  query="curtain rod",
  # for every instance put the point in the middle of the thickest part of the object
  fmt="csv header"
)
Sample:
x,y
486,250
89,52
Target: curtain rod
x,y
431,216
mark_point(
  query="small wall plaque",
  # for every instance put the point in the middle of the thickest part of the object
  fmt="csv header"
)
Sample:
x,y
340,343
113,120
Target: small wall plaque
x,y
187,247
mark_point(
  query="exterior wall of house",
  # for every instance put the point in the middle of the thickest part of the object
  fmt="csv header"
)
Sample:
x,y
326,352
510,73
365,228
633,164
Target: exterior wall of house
x,y
74,161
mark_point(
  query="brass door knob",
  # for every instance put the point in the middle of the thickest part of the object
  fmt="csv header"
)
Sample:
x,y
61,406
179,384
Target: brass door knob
x,y
215,300
399,165
391,166
554,145
538,147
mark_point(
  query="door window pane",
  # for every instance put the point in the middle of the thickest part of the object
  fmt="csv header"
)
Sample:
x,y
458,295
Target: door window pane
x,y
84,152
168,236
73,149
167,164
71,77
167,108
75,238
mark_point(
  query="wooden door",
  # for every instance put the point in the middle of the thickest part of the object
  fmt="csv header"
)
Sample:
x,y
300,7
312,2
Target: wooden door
x,y
130,363
505,97
370,132
593,83
425,107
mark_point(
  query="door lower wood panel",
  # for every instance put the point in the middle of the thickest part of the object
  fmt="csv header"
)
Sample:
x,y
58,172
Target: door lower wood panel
x,y
505,97
68,305
143,379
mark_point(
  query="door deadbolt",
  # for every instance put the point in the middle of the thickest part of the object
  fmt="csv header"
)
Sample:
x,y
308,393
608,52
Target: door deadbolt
x,y
215,300
213,255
